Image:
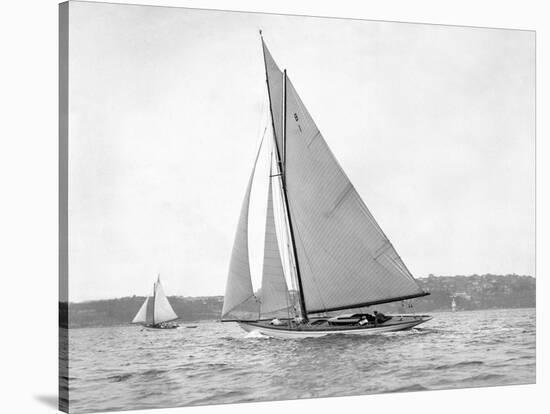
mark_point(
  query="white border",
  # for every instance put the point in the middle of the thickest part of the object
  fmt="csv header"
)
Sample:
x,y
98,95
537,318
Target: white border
x,y
28,207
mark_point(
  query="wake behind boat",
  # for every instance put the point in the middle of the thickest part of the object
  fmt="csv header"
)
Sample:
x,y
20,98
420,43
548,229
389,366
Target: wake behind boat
x,y
325,241
156,312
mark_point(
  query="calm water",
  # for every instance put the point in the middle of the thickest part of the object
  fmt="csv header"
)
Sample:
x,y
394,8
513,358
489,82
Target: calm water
x,y
126,368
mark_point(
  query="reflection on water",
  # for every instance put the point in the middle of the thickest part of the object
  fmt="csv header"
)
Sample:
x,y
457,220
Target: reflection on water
x,y
129,368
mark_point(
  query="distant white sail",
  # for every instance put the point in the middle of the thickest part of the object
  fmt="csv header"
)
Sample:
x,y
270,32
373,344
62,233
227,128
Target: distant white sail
x,y
141,316
156,308
163,311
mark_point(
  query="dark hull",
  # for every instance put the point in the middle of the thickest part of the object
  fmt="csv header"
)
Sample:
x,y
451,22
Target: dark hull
x,y
397,323
161,328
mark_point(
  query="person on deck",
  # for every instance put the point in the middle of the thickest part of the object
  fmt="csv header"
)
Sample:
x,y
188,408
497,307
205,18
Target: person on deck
x,y
366,318
380,317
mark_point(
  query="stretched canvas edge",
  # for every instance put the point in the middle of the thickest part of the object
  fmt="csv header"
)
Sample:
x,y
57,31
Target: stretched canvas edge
x,y
63,375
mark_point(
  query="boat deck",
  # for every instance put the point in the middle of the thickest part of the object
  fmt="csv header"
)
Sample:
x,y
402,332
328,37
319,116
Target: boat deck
x,y
323,324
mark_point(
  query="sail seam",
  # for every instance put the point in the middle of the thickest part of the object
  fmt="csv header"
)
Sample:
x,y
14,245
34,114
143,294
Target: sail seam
x,y
341,198
239,304
313,138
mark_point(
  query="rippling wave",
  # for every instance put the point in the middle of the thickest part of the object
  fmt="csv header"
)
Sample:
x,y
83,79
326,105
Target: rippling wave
x,y
128,368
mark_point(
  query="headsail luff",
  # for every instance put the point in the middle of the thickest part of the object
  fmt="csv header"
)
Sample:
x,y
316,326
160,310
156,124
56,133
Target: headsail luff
x,y
239,301
274,296
346,259
163,311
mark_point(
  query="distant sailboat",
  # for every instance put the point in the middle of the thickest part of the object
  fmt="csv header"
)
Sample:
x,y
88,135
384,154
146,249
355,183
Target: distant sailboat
x,y
336,255
453,305
156,312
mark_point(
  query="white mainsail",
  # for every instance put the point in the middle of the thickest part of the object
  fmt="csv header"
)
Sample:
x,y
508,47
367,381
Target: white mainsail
x,y
345,258
162,309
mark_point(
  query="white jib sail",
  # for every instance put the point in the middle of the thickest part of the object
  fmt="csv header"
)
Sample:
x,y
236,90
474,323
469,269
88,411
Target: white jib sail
x,y
163,310
141,316
239,301
274,297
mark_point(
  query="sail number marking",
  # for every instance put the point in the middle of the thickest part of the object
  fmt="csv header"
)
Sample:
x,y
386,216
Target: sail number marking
x,y
297,119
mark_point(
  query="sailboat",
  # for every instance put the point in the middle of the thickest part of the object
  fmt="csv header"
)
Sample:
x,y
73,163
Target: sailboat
x,y
327,243
156,312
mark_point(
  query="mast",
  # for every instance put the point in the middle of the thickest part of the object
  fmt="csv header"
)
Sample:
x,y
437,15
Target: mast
x,y
283,180
282,171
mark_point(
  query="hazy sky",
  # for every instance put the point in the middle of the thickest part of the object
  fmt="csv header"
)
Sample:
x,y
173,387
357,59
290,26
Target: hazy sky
x,y
434,125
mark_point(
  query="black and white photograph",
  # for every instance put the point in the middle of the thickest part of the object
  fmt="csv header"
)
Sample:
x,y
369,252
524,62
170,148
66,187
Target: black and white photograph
x,y
260,207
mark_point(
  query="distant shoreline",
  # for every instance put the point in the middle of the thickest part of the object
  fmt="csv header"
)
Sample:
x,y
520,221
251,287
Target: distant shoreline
x,y
476,292
184,322
418,279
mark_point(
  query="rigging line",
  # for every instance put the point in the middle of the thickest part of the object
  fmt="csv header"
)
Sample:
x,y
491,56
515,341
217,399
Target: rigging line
x,y
289,261
263,121
279,159
272,208
282,231
292,254
301,293
285,238
308,260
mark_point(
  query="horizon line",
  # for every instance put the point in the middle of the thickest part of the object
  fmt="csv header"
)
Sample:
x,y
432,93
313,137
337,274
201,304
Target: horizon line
x,y
290,290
